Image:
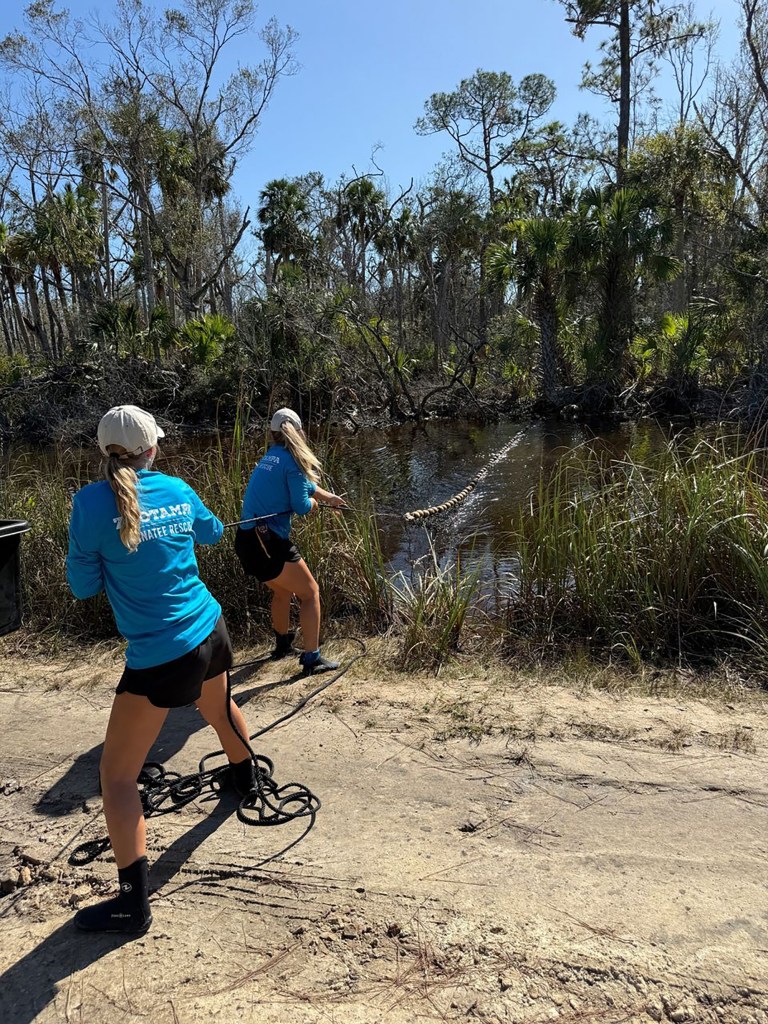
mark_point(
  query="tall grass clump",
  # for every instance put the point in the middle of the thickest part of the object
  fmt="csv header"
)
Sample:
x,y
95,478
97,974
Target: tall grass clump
x,y
664,560
344,552
41,495
431,609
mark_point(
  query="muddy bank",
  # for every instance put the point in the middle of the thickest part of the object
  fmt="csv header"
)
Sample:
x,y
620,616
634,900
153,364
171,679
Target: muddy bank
x,y
61,403
489,848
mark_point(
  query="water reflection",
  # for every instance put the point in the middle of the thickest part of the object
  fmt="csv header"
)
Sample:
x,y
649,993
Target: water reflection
x,y
409,467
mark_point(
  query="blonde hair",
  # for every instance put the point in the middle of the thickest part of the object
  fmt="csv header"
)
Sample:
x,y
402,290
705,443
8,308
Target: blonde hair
x,y
120,470
296,443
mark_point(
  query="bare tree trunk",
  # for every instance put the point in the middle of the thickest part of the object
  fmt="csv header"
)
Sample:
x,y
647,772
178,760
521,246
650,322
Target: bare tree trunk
x,y
186,288
546,316
625,72
149,270
441,315
679,285
107,259
363,254
171,291
21,326
53,320
5,323
65,311
30,289
226,289
398,279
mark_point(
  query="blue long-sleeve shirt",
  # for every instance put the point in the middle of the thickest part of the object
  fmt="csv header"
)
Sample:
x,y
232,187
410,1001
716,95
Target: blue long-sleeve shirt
x,y
277,484
161,605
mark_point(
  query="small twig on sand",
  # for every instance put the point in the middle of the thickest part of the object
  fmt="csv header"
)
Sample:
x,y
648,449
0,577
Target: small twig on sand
x,y
258,971
458,864
607,933
69,993
125,992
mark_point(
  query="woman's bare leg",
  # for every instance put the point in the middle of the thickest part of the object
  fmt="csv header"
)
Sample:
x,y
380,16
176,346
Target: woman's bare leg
x,y
133,727
297,579
212,705
281,607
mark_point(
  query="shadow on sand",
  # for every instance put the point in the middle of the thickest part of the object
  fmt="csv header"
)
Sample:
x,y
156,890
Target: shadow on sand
x,y
31,984
81,780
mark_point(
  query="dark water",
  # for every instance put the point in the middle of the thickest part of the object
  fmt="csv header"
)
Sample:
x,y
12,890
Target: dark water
x,y
408,467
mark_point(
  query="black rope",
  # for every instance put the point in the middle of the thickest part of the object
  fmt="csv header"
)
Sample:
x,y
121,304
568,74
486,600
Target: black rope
x,y
163,792
288,512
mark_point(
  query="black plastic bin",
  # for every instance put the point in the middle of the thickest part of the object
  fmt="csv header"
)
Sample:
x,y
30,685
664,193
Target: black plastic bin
x,y
10,574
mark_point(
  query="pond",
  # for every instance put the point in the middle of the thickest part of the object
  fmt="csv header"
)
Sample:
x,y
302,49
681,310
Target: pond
x,y
406,467
410,467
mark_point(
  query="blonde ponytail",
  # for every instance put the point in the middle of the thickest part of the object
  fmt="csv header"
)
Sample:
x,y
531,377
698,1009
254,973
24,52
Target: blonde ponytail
x,y
121,476
296,444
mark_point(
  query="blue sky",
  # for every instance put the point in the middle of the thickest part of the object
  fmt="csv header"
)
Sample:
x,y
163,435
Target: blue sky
x,y
367,68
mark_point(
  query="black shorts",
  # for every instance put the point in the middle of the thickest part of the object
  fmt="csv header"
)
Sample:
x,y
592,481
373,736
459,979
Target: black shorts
x,y
264,553
179,682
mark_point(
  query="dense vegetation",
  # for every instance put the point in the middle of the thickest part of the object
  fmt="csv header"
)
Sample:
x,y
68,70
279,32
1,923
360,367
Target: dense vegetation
x,y
593,266
656,561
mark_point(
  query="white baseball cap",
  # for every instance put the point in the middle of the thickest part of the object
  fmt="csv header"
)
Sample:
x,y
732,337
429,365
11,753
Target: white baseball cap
x,y
284,416
129,427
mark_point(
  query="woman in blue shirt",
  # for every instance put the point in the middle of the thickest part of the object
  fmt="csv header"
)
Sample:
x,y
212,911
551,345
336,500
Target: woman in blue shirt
x,y
133,535
285,481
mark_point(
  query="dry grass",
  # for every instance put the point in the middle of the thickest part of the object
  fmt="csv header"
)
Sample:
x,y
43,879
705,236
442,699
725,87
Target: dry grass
x,y
739,739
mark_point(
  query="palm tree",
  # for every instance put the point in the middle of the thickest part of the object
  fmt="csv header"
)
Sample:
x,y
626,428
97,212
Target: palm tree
x,y
396,244
11,278
622,239
21,261
451,235
539,257
361,208
283,216
76,233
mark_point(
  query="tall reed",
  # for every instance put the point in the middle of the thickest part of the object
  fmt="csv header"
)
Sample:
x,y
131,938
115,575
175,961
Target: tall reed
x,y
665,560
432,609
344,552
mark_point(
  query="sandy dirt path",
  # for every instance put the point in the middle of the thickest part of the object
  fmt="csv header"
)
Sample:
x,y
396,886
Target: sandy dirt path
x,y
486,851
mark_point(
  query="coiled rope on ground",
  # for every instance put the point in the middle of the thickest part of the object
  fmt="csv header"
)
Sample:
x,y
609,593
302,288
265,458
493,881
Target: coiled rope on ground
x,y
424,513
163,791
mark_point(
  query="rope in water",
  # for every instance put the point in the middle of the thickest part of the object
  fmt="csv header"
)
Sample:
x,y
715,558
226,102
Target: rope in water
x,y
424,513
163,791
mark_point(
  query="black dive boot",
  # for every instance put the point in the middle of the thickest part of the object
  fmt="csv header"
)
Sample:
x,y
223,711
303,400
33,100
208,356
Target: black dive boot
x,y
128,913
243,776
283,644
312,663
